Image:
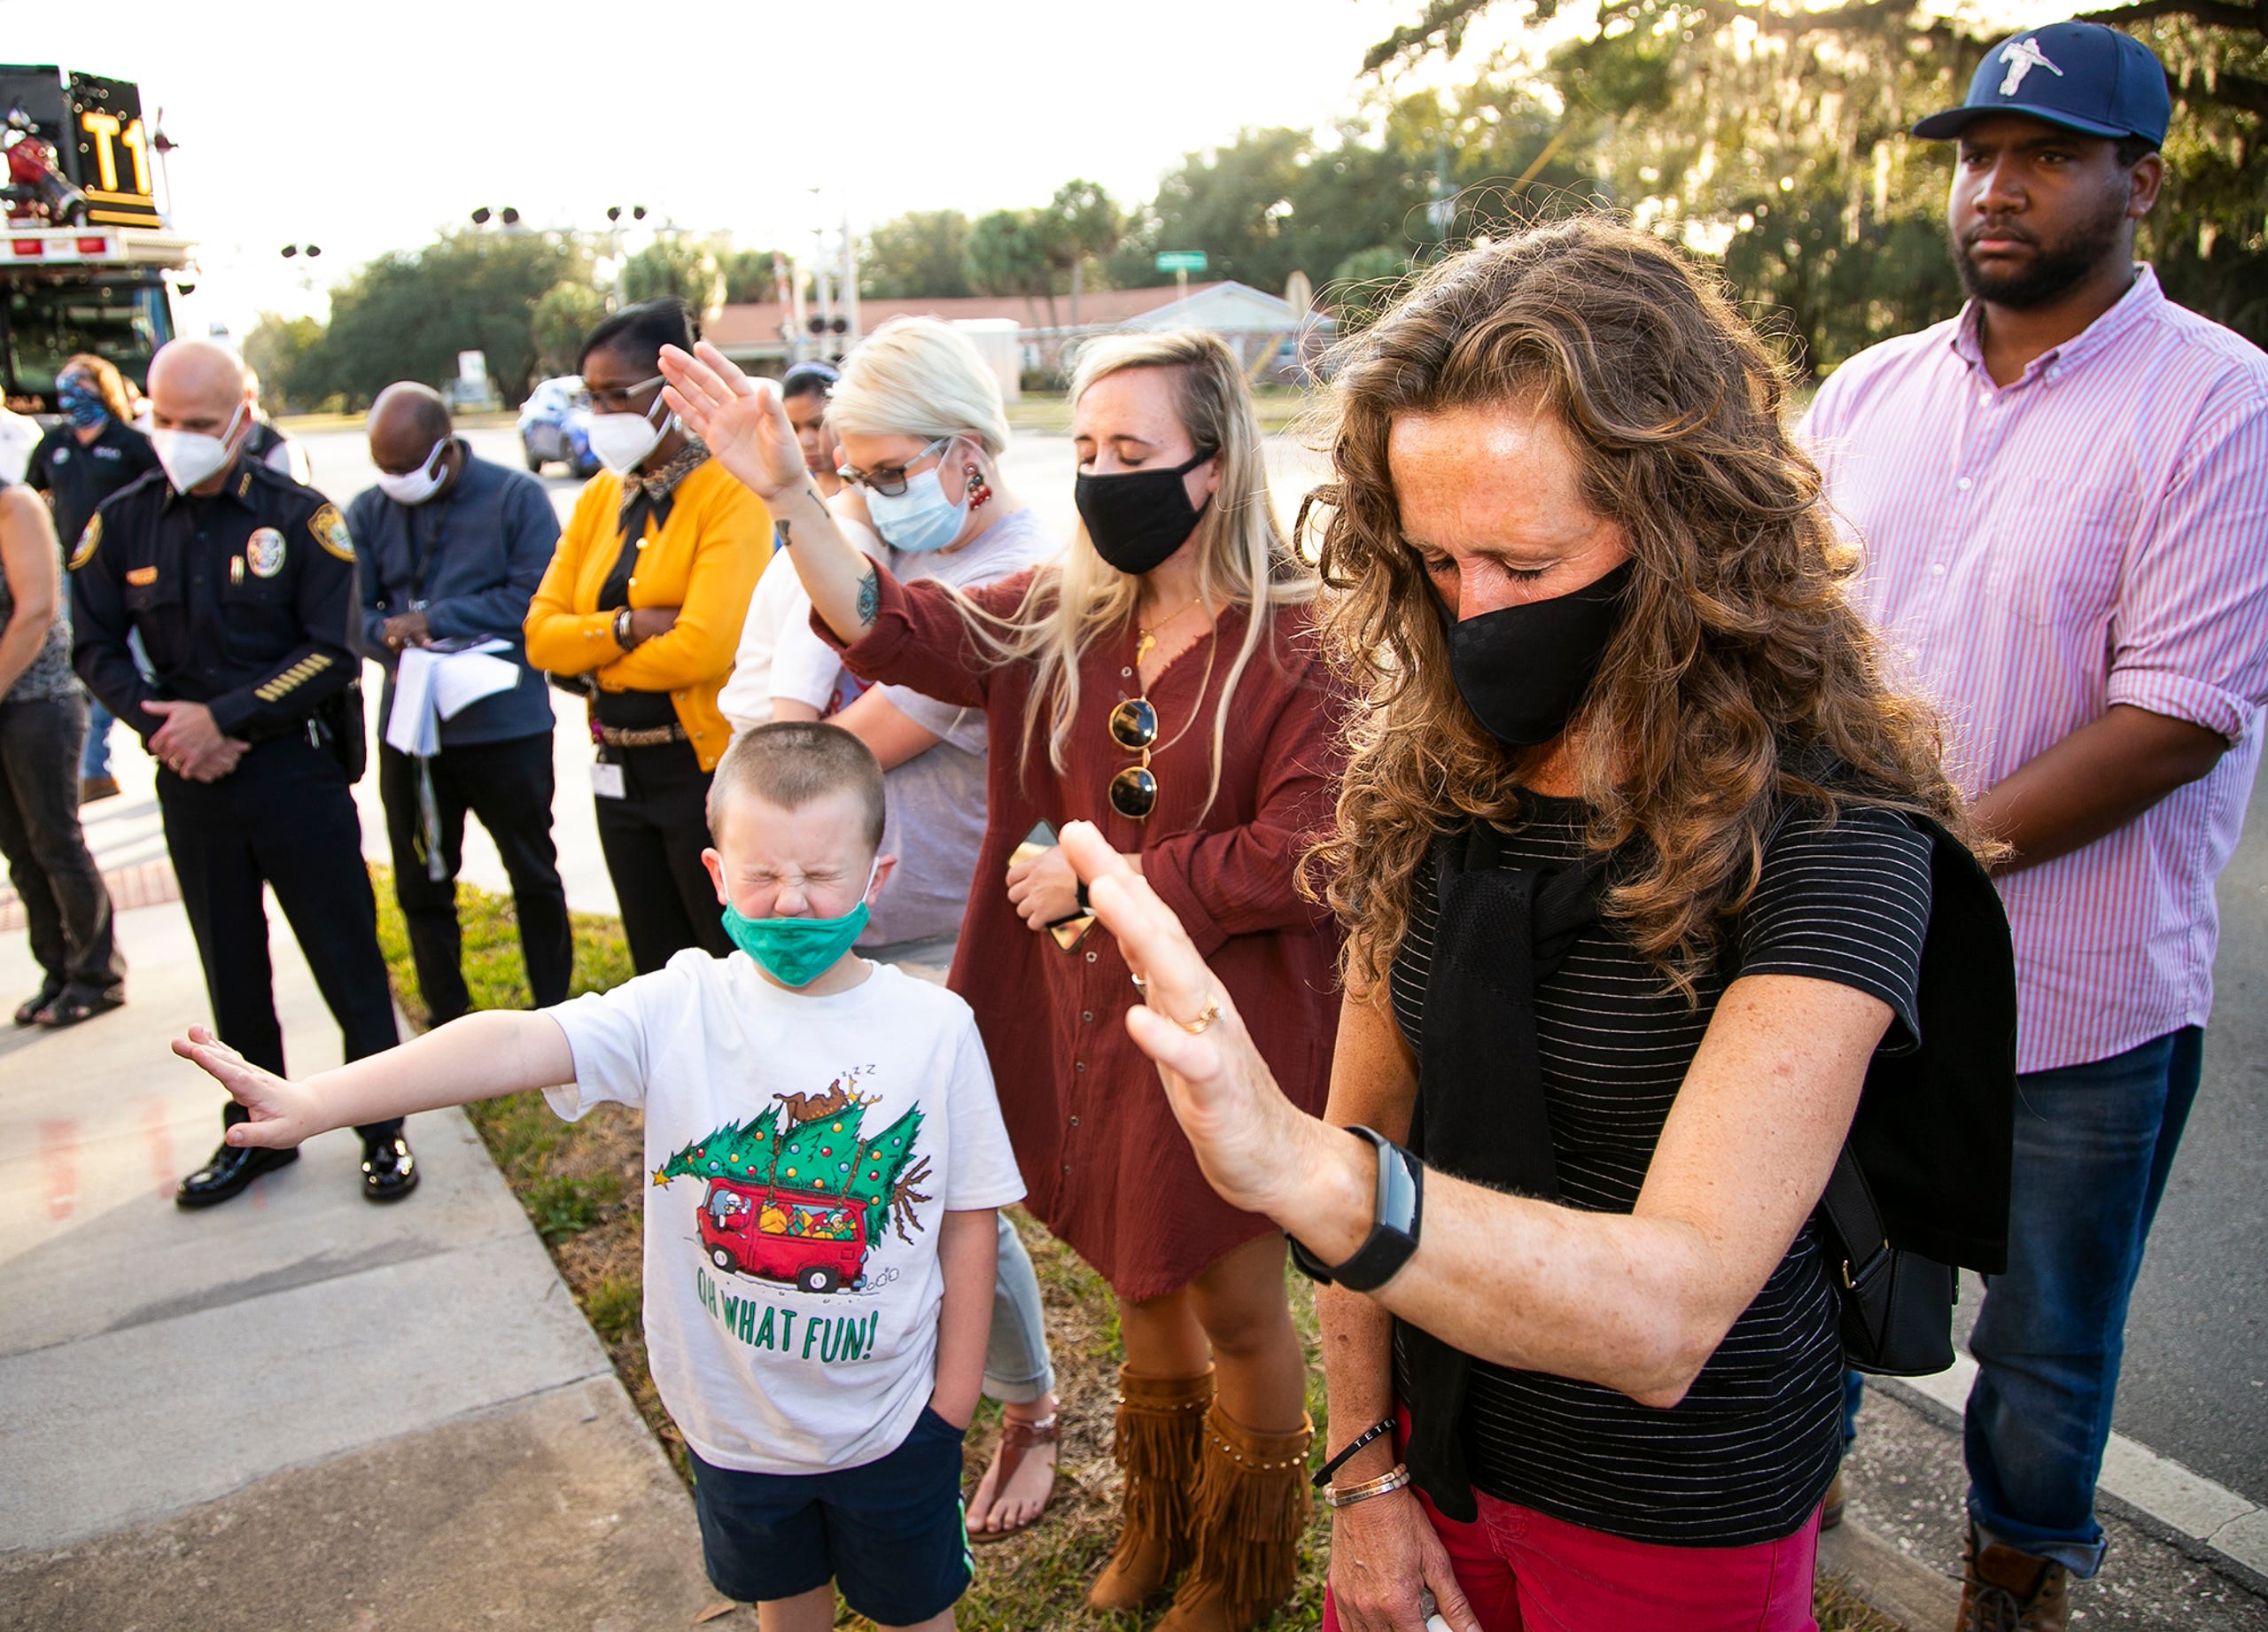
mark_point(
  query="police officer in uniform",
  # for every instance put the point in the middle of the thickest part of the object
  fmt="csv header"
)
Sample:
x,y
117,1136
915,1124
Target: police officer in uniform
x,y
240,584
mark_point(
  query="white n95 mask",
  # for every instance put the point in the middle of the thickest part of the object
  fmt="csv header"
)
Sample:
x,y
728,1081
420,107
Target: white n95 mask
x,y
193,456
621,440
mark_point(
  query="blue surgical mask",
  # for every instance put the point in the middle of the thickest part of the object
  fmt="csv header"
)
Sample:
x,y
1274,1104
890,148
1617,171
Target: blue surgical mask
x,y
82,408
798,950
921,519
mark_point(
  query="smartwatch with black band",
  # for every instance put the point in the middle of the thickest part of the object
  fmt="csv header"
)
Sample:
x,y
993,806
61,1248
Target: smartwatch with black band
x,y
1395,1226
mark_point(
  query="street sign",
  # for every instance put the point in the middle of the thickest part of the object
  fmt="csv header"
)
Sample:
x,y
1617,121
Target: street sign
x,y
1181,261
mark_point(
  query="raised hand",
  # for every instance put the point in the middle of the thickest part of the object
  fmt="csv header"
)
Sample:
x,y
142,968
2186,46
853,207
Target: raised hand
x,y
743,420
283,1113
1248,1138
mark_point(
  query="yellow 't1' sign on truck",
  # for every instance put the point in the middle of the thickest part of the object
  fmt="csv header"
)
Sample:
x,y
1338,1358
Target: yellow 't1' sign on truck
x,y
113,151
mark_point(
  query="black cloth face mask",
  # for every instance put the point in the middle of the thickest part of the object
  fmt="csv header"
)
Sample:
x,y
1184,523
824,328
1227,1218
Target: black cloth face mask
x,y
1139,519
1524,670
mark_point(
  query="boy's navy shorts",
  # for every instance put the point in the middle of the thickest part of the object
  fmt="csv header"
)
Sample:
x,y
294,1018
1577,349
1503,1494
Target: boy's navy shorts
x,y
889,1533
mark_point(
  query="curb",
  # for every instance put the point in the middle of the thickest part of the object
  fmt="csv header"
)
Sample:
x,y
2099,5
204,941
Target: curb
x,y
1889,1583
2207,1522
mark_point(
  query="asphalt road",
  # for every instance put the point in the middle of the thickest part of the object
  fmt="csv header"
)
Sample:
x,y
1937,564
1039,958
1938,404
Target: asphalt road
x,y
2195,1387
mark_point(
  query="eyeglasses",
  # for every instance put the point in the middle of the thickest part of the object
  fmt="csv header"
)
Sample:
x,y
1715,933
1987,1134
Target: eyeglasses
x,y
890,480
617,398
1134,728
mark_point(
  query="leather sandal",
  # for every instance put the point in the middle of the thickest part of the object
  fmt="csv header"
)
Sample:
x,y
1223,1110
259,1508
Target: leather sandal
x,y
1017,1439
30,1009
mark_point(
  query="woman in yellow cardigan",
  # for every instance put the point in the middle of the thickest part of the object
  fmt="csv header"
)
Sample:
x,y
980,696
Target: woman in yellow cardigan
x,y
645,597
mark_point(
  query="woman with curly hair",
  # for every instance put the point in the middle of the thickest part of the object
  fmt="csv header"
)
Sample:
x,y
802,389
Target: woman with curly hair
x,y
1634,853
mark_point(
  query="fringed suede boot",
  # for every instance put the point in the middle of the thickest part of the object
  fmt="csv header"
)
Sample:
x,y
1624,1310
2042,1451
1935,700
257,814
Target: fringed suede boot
x,y
1154,1440
1252,1506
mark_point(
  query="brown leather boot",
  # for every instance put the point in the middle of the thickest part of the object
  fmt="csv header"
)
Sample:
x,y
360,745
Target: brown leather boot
x,y
1252,1506
2004,1591
1154,1440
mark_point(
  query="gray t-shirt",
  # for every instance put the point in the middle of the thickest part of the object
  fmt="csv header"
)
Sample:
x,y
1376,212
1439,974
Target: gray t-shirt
x,y
937,799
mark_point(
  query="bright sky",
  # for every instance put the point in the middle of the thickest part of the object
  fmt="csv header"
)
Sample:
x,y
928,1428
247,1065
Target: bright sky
x,y
365,129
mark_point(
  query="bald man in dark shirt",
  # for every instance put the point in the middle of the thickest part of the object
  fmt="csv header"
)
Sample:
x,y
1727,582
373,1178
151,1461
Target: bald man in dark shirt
x,y
450,548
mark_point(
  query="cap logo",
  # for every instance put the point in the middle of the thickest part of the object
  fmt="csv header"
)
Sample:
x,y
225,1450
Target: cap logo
x,y
2021,57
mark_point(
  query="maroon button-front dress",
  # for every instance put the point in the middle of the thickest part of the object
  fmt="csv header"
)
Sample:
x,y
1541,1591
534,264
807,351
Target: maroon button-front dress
x,y
1106,1166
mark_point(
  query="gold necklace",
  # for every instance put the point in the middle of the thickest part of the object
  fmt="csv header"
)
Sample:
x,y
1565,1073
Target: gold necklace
x,y
1142,648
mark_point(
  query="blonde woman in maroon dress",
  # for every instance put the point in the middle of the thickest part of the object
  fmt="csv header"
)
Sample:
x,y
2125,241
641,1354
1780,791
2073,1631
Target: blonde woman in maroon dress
x,y
1160,681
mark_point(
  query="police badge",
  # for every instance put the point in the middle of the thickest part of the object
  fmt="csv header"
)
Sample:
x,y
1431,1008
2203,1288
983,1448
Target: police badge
x,y
330,528
264,553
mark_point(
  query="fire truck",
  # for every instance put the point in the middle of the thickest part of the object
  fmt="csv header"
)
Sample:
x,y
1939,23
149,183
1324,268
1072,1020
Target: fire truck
x,y
87,263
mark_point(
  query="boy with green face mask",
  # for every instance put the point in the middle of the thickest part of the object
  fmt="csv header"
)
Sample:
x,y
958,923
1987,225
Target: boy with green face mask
x,y
819,1287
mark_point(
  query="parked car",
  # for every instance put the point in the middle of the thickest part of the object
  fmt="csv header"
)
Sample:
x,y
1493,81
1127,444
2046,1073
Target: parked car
x,y
555,426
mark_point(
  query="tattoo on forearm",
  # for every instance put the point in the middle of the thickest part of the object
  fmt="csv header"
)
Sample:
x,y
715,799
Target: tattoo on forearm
x,y
870,598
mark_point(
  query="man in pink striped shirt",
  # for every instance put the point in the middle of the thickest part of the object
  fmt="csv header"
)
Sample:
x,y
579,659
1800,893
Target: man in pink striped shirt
x,y
2062,496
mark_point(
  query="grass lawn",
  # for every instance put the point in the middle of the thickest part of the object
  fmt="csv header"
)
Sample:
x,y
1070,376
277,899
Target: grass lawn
x,y
582,1186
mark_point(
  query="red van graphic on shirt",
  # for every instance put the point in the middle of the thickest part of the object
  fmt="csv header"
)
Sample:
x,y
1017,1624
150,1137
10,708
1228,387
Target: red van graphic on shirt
x,y
808,1237
799,1194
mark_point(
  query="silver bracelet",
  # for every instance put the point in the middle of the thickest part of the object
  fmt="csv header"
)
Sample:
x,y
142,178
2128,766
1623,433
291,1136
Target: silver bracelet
x,y
1335,1497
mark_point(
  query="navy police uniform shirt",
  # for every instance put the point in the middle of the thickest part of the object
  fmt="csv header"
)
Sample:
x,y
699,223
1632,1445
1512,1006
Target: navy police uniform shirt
x,y
244,602
79,476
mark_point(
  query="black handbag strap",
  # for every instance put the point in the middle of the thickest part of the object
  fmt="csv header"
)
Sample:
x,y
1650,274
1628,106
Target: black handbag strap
x,y
1847,1207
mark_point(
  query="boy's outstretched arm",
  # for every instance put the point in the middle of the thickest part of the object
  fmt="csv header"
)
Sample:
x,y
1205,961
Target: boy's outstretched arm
x,y
498,1050
968,1252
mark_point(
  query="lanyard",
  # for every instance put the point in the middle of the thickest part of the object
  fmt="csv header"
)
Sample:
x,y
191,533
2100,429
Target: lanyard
x,y
421,560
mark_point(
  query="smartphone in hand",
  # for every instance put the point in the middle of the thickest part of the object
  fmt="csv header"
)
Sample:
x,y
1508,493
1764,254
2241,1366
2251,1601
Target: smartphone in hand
x,y
1068,932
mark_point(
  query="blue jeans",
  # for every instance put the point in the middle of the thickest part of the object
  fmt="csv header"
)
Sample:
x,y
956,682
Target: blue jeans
x,y
2094,1145
1017,1370
94,758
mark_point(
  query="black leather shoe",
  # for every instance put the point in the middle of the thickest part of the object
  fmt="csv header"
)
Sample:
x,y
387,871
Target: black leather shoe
x,y
389,1171
231,1168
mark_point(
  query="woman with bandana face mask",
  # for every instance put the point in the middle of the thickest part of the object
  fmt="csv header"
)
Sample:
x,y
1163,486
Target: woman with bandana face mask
x,y
93,454
640,609
1157,679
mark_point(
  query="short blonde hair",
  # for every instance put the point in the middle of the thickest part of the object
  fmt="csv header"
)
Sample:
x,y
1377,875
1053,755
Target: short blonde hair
x,y
918,377
789,763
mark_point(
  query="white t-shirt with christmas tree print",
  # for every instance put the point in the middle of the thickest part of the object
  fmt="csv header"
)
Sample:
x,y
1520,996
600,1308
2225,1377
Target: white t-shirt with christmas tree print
x,y
802,1152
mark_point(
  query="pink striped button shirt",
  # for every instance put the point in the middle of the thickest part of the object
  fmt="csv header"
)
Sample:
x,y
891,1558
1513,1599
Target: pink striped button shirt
x,y
2095,533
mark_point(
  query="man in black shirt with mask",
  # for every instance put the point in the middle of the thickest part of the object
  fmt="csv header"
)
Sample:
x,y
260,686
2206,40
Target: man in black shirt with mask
x,y
241,585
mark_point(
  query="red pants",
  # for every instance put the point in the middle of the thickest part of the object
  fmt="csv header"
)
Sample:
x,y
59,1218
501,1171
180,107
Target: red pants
x,y
1526,1571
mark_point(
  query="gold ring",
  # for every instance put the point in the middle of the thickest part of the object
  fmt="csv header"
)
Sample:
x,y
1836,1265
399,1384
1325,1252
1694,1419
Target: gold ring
x,y
1206,1017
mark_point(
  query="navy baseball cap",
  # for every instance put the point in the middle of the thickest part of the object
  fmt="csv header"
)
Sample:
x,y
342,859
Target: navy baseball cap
x,y
2082,76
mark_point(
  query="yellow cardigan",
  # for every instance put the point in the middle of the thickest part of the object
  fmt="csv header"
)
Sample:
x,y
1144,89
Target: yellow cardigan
x,y
704,561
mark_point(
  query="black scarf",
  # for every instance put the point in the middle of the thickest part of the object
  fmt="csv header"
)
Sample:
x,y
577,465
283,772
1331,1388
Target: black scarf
x,y
1498,932
1933,1129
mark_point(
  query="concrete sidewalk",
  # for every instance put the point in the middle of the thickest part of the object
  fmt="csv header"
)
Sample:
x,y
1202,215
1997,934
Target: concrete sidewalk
x,y
296,1409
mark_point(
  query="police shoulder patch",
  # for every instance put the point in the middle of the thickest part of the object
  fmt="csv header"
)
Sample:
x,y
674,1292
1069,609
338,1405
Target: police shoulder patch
x,y
88,542
330,528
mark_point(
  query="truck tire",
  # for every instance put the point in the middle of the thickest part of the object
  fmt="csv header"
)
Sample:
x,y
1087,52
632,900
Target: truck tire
x,y
818,1278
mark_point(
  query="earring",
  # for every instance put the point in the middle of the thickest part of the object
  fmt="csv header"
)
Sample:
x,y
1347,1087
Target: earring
x,y
979,490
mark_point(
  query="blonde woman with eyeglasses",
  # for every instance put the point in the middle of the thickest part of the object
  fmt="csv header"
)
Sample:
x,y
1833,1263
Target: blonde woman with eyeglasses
x,y
1159,682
